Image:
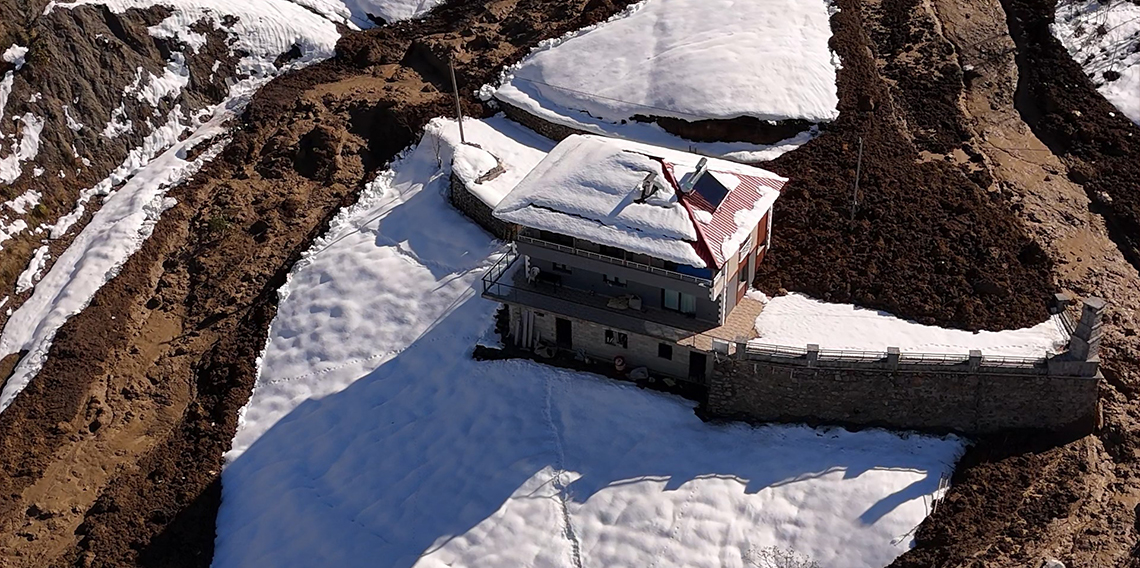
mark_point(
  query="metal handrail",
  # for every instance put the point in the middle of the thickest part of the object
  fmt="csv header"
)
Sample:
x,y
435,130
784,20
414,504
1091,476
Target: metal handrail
x,y
855,356
618,261
906,358
496,271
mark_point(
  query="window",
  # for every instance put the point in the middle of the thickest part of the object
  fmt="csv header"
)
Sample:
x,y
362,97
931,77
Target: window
x,y
615,281
665,351
679,302
559,267
616,338
744,272
745,248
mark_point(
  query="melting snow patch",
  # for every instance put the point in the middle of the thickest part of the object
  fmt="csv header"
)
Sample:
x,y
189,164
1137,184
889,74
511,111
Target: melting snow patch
x,y
372,433
16,55
72,124
31,274
1103,36
24,202
26,149
796,320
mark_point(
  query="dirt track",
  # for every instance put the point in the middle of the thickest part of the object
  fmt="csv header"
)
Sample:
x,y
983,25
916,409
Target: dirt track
x,y
112,453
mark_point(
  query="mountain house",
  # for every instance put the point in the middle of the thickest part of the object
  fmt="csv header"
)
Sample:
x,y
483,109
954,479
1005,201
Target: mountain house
x,y
634,253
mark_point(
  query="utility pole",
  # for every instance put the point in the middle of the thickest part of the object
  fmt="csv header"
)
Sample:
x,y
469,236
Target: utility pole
x,y
858,173
455,89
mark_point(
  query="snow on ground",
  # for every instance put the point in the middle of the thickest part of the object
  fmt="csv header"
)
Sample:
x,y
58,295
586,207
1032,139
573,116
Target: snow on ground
x,y
501,143
373,439
25,202
1104,38
796,320
263,30
686,59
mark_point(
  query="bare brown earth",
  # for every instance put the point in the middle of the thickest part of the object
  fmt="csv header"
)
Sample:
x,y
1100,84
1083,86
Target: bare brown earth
x,y
1017,500
928,240
111,456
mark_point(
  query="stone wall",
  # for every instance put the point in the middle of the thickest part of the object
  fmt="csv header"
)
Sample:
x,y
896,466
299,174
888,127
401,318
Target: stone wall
x,y
478,211
971,403
544,127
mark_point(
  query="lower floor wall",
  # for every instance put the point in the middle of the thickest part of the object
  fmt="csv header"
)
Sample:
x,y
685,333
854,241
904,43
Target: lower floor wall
x,y
960,402
590,338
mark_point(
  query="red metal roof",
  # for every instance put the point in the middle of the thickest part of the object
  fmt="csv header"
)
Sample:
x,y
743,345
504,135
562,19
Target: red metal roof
x,y
722,224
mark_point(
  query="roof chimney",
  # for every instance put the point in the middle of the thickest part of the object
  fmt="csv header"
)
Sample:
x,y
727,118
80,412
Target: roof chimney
x,y
648,186
702,167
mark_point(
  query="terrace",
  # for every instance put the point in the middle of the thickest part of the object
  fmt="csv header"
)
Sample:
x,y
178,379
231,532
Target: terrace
x,y
505,283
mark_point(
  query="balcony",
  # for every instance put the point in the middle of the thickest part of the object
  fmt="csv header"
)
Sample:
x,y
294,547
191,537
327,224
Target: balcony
x,y
530,239
504,282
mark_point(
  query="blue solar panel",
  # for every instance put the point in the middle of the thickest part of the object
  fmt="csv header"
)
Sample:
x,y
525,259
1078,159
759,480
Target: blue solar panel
x,y
711,189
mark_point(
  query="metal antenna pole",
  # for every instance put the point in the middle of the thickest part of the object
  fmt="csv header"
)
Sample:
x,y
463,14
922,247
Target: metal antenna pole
x,y
458,107
858,173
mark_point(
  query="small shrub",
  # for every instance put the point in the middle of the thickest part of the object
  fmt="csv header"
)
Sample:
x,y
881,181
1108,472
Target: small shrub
x,y
776,557
218,224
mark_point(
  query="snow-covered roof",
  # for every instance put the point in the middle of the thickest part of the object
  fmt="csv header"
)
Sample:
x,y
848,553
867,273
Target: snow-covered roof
x,y
689,59
627,195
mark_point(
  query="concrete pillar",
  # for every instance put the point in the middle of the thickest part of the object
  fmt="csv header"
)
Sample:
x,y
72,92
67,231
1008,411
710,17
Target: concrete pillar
x,y
1061,301
975,360
1084,345
741,349
893,358
812,354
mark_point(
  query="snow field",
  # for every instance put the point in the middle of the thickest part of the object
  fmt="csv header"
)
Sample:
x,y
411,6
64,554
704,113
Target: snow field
x,y
686,59
373,439
797,320
1104,37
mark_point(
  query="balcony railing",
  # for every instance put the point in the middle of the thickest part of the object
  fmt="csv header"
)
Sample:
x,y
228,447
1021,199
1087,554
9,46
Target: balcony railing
x,y
503,284
618,261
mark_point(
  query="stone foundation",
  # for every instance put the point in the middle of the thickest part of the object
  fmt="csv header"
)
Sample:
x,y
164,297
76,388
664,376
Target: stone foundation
x,y
480,212
970,403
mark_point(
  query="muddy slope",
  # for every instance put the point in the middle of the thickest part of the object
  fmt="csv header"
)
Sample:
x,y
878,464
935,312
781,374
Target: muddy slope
x,y
930,239
115,448
1018,500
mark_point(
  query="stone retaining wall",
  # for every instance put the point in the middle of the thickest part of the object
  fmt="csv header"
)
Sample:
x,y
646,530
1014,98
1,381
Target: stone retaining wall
x,y
553,131
971,403
478,211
